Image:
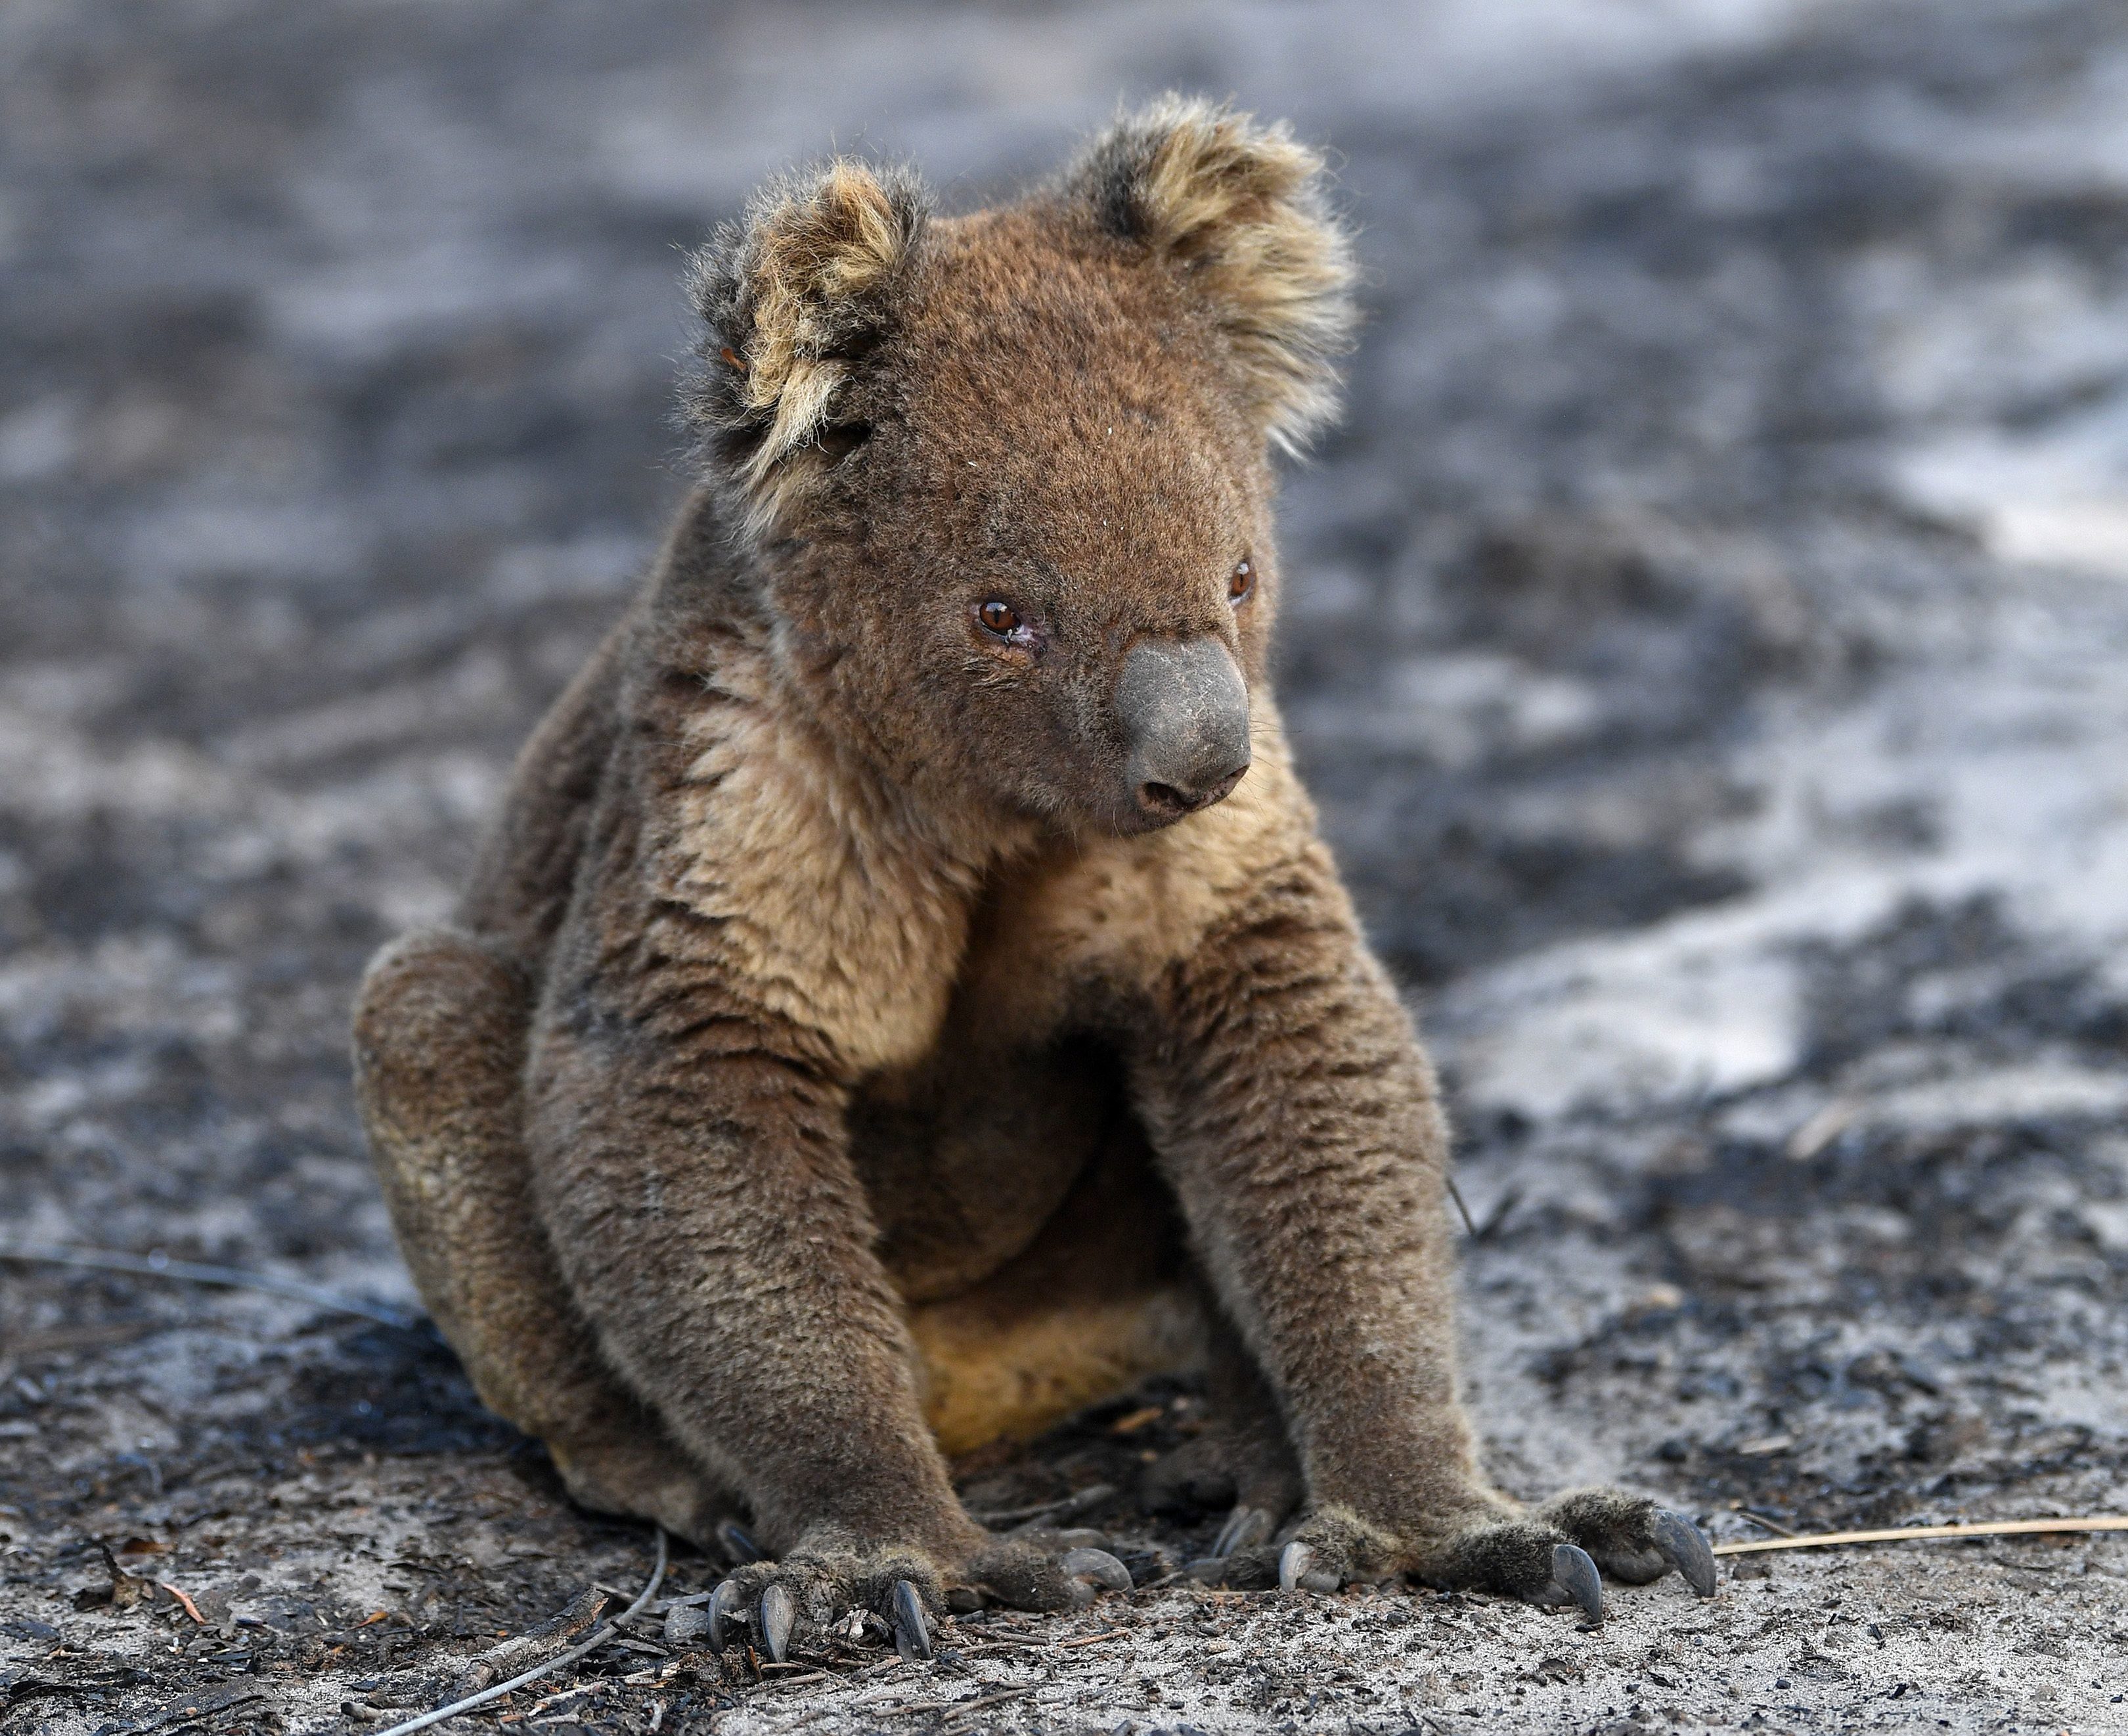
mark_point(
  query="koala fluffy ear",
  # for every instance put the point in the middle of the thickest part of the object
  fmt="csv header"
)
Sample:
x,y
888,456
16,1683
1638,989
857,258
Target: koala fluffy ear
x,y
792,297
1242,209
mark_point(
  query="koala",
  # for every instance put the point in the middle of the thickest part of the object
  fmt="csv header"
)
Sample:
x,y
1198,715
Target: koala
x,y
905,997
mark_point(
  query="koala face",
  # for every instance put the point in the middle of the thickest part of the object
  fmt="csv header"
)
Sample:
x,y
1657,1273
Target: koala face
x,y
1065,526
1009,472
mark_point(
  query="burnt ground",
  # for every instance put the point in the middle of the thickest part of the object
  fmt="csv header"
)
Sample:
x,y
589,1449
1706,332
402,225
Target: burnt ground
x,y
1707,642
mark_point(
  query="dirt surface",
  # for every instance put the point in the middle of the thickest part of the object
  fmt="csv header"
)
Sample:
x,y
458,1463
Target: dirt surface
x,y
1709,642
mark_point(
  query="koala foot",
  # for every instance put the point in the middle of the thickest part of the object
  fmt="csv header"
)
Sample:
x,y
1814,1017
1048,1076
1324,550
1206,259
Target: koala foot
x,y
1246,1528
1556,1554
1195,1478
1631,1539
813,1588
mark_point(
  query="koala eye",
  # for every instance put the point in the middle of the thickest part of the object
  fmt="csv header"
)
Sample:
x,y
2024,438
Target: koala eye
x,y
1241,582
1001,618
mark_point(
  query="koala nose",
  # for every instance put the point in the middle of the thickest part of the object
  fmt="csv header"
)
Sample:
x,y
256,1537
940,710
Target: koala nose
x,y
1185,713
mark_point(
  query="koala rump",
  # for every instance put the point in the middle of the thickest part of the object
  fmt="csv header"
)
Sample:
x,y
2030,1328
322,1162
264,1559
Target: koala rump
x,y
905,996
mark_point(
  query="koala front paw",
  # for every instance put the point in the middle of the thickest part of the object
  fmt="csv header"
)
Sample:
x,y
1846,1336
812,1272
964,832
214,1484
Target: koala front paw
x,y
1631,1539
1044,1569
1324,1550
815,1588
1556,1554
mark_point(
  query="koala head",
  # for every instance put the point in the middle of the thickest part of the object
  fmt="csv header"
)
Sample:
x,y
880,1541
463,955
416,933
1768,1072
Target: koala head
x,y
1006,476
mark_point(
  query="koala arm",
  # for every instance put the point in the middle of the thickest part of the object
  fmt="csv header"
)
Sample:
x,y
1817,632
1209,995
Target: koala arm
x,y
691,1159
1296,1118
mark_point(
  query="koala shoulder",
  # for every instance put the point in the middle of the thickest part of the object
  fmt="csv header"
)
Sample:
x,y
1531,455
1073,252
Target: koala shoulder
x,y
767,864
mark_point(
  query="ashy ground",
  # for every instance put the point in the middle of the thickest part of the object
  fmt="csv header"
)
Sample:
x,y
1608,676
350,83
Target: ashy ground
x,y
1709,644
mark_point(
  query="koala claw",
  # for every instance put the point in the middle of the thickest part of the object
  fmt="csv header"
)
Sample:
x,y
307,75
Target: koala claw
x,y
1684,1547
723,1607
912,1635
1297,1570
1575,1580
1092,1572
1244,1526
777,1613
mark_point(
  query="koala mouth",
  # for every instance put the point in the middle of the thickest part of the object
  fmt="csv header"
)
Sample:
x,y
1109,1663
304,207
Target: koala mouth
x,y
1185,710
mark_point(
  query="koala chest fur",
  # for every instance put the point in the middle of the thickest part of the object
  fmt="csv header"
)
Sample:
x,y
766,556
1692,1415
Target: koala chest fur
x,y
778,868
983,1020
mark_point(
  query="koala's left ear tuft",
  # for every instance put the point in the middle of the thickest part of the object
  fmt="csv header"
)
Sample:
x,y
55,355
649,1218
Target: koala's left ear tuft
x,y
1242,209
792,297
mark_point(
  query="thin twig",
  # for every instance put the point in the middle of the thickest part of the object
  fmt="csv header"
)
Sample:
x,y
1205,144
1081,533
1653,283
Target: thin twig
x,y
1763,1523
962,1708
604,1685
1994,1528
606,1631
1456,1193
191,1709
951,1708
1066,1506
1509,1200
192,1609
190,1271
880,1669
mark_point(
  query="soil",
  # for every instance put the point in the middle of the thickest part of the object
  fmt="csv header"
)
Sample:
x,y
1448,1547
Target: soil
x,y
1708,641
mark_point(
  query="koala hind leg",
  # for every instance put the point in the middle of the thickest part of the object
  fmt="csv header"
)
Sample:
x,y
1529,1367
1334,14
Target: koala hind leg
x,y
439,1044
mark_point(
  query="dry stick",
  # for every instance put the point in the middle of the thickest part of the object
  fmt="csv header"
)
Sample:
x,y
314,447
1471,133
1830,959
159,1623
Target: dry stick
x,y
1456,1193
951,1708
605,1631
961,1707
1068,1507
1994,1528
1091,1639
190,1271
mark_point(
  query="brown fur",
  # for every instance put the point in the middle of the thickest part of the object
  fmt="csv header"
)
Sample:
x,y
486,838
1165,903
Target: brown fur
x,y
830,1059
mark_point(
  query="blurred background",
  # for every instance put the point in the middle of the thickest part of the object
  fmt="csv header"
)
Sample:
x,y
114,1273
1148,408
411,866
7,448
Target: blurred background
x,y
1706,640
